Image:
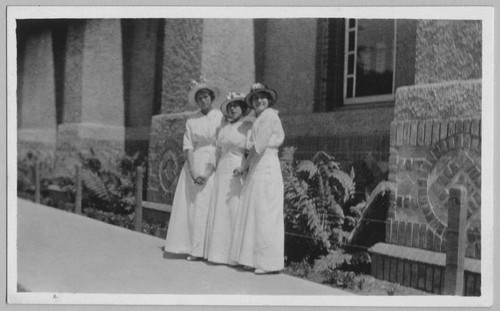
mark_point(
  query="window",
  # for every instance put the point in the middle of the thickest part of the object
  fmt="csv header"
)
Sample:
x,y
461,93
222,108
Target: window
x,y
369,60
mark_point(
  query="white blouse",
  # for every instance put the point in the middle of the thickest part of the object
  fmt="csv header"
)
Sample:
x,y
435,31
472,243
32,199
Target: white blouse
x,y
267,131
232,137
201,130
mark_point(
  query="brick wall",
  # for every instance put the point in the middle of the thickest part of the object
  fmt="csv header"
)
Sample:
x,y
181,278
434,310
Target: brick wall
x,y
344,148
426,158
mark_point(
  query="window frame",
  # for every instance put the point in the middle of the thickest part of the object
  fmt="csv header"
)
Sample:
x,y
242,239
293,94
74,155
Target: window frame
x,y
371,98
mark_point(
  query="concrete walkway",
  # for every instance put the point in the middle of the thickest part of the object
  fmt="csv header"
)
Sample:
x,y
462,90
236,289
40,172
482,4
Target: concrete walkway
x,y
61,252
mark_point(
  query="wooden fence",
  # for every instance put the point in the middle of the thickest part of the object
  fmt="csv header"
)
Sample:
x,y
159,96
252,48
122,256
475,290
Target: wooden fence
x,y
140,204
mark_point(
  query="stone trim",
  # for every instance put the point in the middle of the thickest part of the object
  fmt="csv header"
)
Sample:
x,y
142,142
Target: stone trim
x,y
439,100
92,131
42,136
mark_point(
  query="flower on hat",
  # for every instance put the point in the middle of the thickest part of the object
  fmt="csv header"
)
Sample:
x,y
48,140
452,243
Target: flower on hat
x,y
193,83
196,86
261,87
258,86
233,95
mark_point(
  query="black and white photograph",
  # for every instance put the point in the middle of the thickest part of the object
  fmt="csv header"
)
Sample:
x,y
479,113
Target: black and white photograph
x,y
250,156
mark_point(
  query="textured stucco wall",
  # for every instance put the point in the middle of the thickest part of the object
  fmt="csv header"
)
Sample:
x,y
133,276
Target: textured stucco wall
x,y
439,100
102,77
405,52
38,106
448,50
290,56
228,54
73,71
181,62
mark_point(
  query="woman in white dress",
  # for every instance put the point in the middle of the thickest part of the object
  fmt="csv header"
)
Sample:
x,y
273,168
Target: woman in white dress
x,y
224,202
187,225
259,236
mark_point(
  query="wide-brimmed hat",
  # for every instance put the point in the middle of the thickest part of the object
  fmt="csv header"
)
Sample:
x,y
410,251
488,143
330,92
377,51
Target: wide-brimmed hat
x,y
197,86
258,88
232,97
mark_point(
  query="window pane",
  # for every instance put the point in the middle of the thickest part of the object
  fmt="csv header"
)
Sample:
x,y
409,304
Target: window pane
x,y
350,64
352,37
350,82
374,67
352,23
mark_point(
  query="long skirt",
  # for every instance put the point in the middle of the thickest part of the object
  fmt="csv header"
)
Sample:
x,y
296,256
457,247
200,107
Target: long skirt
x,y
223,208
187,225
259,236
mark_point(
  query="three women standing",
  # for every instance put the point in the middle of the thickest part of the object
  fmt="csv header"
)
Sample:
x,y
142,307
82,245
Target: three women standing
x,y
240,221
187,225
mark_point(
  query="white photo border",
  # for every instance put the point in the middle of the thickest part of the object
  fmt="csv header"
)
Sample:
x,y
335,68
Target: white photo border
x,y
485,14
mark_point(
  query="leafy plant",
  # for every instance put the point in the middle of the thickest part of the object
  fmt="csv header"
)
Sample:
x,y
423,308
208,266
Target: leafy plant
x,y
339,278
109,187
26,163
316,192
323,208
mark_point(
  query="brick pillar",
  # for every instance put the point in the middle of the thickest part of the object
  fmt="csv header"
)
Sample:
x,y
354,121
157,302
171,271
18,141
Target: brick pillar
x,y
93,93
36,93
435,135
455,254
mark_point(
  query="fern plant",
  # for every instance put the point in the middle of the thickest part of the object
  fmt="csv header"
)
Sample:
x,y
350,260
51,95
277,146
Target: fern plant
x,y
315,193
110,187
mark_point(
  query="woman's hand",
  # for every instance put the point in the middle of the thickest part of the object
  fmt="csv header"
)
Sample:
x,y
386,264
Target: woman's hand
x,y
239,171
200,180
197,179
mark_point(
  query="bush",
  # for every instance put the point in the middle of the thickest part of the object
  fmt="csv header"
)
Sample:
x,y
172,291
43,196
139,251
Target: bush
x,y
323,208
343,279
108,186
316,193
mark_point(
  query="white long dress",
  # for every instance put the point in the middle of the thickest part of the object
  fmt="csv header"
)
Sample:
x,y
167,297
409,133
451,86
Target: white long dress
x,y
259,236
187,225
231,143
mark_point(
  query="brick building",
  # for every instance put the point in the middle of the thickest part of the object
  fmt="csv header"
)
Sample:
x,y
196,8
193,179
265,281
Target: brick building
x,y
405,92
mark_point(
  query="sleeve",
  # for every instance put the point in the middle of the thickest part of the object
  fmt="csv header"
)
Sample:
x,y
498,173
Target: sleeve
x,y
263,131
187,143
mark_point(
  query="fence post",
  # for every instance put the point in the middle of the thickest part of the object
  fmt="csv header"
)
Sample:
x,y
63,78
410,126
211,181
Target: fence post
x,y
455,253
37,181
138,200
78,199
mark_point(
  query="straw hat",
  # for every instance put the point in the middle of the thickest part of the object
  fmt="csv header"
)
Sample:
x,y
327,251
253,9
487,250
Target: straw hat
x,y
196,86
232,97
261,88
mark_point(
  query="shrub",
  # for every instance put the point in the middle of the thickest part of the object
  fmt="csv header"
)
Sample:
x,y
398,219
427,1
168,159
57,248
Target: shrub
x,y
316,192
343,279
323,209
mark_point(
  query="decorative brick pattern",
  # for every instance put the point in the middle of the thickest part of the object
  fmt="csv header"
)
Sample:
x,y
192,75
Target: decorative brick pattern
x,y
413,235
426,158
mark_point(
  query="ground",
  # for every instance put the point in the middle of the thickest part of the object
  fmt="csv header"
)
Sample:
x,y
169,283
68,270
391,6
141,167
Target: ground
x,y
333,270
